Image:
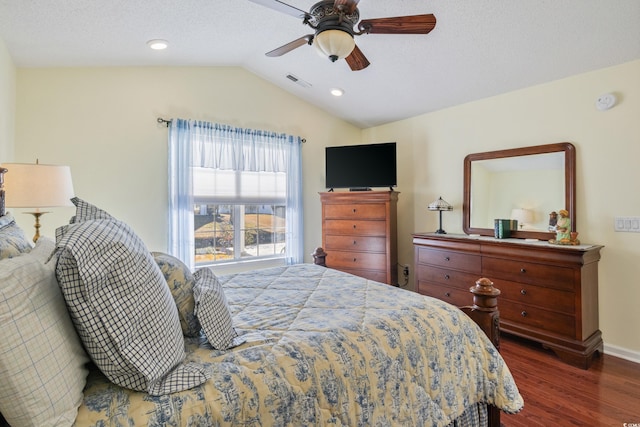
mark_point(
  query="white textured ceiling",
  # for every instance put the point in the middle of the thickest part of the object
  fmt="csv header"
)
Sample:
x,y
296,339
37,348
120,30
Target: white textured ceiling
x,y
478,49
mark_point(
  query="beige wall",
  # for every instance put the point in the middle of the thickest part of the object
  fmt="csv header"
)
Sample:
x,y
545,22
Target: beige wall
x,y
102,122
433,147
7,104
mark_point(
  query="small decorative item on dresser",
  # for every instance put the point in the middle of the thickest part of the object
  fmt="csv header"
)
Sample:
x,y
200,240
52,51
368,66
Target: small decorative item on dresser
x,y
440,205
564,235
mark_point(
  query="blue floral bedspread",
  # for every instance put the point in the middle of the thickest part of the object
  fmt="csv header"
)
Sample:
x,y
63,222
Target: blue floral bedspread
x,y
324,348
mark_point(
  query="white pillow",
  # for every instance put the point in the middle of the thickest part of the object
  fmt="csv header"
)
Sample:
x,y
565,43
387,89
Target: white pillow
x,y
42,371
212,311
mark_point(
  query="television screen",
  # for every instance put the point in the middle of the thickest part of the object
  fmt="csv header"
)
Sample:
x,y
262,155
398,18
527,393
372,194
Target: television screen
x,y
360,167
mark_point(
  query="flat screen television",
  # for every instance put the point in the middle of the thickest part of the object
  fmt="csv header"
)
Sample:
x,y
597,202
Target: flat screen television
x,y
360,167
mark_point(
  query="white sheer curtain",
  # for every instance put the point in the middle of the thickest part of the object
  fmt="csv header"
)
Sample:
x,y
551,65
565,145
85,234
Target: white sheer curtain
x,y
196,145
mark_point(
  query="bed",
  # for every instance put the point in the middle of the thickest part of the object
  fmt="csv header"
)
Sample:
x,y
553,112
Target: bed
x,y
326,348
315,346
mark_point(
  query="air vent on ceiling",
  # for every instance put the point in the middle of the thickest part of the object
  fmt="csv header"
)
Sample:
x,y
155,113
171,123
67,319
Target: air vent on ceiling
x,y
298,80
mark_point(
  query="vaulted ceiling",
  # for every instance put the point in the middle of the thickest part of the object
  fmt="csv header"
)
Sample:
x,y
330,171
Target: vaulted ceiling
x,y
478,48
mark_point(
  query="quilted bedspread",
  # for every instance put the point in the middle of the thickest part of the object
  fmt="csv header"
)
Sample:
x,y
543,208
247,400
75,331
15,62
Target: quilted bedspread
x,y
324,348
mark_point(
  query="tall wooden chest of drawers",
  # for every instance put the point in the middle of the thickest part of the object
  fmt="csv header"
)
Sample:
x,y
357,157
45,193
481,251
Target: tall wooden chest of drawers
x,y
549,293
359,233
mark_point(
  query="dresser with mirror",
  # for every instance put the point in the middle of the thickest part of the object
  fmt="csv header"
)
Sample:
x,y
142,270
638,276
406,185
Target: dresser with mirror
x,y
549,291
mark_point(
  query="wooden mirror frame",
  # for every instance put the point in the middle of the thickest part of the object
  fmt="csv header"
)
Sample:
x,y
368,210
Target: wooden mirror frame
x,y
569,186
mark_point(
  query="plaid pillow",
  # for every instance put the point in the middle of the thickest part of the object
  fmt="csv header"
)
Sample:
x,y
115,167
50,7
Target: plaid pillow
x,y
122,307
42,371
213,312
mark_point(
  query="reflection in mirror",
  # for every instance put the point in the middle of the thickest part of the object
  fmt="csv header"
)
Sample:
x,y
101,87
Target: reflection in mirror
x,y
526,188
526,184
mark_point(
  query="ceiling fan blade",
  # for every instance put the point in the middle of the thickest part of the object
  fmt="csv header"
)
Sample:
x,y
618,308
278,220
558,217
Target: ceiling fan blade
x,y
282,7
290,46
414,24
347,6
356,60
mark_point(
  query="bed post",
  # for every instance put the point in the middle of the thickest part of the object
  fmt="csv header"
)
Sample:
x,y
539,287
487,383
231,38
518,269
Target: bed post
x,y
319,257
484,312
2,171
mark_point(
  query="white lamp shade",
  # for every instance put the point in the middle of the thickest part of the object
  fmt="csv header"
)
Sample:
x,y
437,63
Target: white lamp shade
x,y
37,186
524,216
334,44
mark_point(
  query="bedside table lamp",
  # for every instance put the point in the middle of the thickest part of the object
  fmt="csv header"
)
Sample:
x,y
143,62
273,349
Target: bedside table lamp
x,y
37,186
440,206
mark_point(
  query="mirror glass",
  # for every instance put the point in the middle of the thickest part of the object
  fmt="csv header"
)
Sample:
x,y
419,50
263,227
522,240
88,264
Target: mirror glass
x,y
526,184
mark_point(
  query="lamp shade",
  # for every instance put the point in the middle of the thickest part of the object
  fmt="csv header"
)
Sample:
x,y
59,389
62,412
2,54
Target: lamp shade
x,y
524,216
334,44
440,205
37,186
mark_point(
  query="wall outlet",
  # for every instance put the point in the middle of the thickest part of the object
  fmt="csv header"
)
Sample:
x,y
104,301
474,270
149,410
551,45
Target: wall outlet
x,y
405,270
629,224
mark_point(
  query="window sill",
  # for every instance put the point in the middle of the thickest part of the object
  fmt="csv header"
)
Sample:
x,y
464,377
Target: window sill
x,y
239,267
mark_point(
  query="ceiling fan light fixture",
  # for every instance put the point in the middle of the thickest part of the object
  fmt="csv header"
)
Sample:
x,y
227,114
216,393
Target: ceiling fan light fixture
x,y
334,44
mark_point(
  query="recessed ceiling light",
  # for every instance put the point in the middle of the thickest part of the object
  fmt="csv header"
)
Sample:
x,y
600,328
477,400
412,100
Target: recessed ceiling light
x,y
337,91
157,44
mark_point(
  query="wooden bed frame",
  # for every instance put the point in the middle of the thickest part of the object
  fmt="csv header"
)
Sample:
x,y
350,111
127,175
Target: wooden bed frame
x,y
484,312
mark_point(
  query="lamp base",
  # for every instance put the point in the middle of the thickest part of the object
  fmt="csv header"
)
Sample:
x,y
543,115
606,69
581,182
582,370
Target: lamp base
x,y
37,215
441,231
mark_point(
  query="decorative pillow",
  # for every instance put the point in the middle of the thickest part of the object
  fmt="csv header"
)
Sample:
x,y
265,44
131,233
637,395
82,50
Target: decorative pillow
x,y
181,282
42,371
121,305
12,239
213,312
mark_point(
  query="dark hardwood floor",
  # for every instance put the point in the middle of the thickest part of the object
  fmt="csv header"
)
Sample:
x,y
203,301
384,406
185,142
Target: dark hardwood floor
x,y
557,394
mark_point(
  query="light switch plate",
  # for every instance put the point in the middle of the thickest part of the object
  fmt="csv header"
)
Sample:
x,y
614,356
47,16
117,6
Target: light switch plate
x,y
629,224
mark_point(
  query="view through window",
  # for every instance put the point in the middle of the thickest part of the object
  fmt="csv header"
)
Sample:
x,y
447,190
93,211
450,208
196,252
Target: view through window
x,y
226,232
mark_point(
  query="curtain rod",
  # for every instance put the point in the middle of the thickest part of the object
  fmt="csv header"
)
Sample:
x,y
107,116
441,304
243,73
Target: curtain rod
x,y
168,122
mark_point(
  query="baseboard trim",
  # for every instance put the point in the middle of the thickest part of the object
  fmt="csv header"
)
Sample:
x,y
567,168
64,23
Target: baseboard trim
x,y
622,353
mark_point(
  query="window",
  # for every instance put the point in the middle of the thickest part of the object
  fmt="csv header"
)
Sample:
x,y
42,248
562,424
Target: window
x,y
234,193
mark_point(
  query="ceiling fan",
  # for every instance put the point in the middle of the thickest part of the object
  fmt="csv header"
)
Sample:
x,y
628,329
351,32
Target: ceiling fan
x,y
334,22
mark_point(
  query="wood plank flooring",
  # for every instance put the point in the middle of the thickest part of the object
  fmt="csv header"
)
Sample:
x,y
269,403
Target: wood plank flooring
x,y
557,394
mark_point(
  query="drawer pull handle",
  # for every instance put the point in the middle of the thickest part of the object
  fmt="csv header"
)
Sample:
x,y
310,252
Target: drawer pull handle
x,y
523,291
354,226
447,294
522,270
354,242
447,258
524,314
446,276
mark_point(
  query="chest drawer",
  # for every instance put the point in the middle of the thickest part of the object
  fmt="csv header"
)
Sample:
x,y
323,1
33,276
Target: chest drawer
x,y
455,296
526,272
450,278
357,260
355,227
356,211
551,321
355,243
450,260
551,299
375,275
